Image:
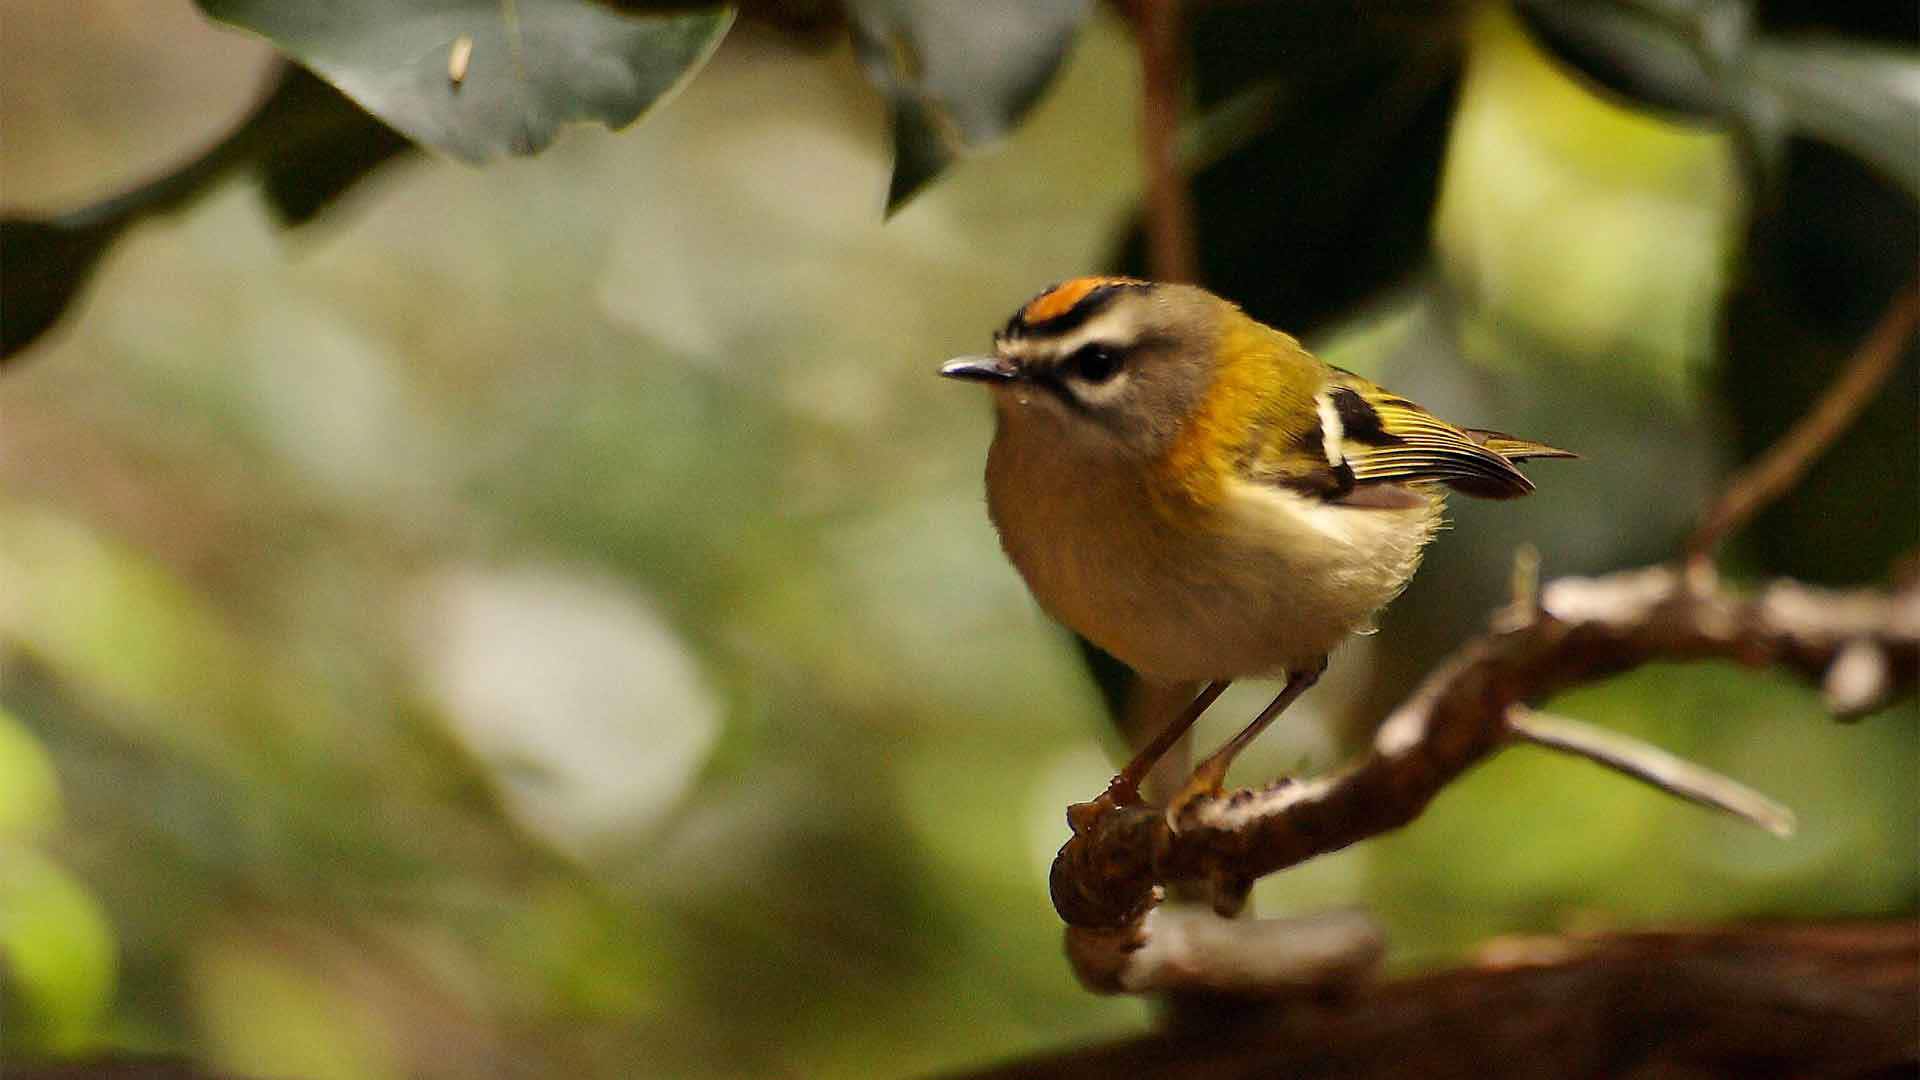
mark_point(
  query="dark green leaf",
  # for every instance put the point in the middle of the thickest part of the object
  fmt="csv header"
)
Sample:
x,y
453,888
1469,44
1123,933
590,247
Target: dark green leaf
x,y
44,265
46,262
1705,61
1630,52
307,141
1816,276
1864,99
957,74
1112,678
1332,202
532,66
321,145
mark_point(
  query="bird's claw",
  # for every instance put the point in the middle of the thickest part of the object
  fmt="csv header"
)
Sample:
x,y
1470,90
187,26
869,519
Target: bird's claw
x,y
1207,783
1121,792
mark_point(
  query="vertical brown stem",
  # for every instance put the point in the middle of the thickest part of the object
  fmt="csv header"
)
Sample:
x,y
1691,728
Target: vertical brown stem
x,y
1158,26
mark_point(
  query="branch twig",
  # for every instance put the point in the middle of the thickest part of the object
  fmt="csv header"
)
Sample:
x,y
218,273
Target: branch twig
x,y
1652,765
1776,472
1583,630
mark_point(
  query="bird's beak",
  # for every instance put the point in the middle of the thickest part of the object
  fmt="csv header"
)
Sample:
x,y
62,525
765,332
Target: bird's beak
x,y
978,369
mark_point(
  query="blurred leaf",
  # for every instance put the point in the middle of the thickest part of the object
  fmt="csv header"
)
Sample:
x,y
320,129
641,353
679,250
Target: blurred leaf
x,y
170,668
267,1008
810,23
533,65
308,142
29,787
319,144
1603,233
60,959
1860,98
44,265
1650,56
45,262
1705,60
957,75
1812,284
1330,202
1112,678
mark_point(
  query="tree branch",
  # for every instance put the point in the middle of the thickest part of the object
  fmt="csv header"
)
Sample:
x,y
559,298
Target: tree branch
x,y
1185,949
1580,631
1808,1000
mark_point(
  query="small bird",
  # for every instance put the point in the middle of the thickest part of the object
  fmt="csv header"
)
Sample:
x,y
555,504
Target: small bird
x,y
1198,495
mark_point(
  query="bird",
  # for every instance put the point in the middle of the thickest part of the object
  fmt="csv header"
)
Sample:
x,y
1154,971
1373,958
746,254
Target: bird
x,y
1198,495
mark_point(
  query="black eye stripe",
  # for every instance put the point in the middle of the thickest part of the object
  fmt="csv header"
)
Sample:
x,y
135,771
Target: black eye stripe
x,y
1053,384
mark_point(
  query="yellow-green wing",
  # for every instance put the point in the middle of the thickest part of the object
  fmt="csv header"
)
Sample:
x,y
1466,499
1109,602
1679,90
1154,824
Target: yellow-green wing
x,y
1385,439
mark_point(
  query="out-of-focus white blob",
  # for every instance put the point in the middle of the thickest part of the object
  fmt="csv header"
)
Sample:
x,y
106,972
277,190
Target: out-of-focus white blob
x,y
325,394
587,706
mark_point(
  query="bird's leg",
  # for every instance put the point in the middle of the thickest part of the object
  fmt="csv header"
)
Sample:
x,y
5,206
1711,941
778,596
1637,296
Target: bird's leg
x,y
1126,785
1211,776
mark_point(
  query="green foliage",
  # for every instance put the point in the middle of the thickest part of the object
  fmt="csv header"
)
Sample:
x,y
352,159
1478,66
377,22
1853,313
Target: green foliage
x,y
29,790
1711,61
957,76
1326,204
304,141
60,954
532,65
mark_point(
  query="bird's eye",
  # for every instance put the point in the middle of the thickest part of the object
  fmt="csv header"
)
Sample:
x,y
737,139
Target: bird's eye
x,y
1094,363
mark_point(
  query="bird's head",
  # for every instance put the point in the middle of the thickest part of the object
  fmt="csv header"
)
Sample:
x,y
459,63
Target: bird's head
x,y
1103,364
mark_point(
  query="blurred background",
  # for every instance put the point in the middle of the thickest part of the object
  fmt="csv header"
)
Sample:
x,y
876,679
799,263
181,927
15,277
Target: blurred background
x,y
542,619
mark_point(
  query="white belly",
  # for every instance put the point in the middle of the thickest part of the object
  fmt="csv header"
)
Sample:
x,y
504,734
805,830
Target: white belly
x,y
1267,582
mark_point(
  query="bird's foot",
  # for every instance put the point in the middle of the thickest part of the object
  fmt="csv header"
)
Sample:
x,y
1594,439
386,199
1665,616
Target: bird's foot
x,y
1121,792
1207,783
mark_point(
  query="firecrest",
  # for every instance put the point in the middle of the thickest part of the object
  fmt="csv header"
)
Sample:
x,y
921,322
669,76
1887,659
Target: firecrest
x,y
1194,492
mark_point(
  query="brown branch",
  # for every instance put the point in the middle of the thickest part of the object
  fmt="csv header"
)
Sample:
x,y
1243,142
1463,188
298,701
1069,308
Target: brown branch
x,y
1806,1000
1582,630
1183,948
1776,472
1157,26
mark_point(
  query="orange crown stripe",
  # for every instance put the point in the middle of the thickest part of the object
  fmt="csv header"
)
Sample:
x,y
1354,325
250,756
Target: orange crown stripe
x,y
1062,297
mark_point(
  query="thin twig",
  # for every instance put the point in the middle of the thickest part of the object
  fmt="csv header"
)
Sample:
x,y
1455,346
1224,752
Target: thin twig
x,y
1170,235
1776,472
1652,765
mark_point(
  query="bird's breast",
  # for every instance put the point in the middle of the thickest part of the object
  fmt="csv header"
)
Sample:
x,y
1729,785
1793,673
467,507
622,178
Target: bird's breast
x,y
1260,582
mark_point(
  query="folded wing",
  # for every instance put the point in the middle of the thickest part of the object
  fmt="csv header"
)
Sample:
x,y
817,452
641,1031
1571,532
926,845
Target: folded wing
x,y
1375,448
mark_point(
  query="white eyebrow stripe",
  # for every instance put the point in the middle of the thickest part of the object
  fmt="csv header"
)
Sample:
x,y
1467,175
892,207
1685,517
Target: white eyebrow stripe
x,y
1118,326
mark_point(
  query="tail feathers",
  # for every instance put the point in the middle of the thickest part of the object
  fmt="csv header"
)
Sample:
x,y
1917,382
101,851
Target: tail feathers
x,y
1516,449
